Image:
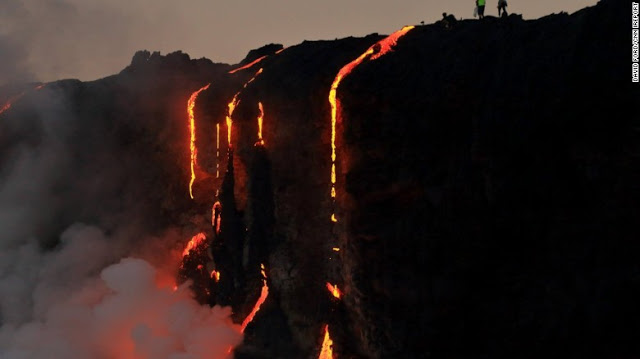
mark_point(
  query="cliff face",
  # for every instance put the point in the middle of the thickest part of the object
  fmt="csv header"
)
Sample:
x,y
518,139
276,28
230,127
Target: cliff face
x,y
487,185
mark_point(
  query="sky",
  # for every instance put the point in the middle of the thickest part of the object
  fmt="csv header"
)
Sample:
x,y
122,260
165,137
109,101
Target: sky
x,y
45,40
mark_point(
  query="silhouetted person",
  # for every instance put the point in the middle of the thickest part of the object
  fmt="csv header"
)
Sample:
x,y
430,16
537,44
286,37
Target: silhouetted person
x,y
502,8
448,20
480,4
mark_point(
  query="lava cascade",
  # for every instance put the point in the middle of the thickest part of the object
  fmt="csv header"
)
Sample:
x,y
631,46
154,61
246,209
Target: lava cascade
x,y
263,296
7,105
382,47
191,104
260,122
234,103
327,345
249,65
195,241
333,289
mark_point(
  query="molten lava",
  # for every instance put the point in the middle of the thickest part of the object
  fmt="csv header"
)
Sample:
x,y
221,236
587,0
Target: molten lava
x,y
195,241
217,150
263,296
376,51
11,101
191,104
15,98
333,289
232,106
327,345
215,275
249,65
260,121
234,103
216,216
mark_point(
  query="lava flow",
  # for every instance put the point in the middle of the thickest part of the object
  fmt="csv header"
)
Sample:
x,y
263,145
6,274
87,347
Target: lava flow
x,y
217,150
327,345
249,65
193,243
260,121
10,102
191,104
334,290
382,47
15,98
234,103
263,296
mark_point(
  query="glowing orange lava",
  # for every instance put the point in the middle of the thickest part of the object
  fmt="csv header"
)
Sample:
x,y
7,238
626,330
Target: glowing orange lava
x,y
216,216
191,104
234,103
15,98
217,150
327,345
334,290
336,249
215,275
11,101
382,47
260,121
249,65
263,296
194,243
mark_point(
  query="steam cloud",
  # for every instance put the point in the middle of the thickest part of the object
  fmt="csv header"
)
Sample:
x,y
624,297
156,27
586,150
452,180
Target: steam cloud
x,y
103,289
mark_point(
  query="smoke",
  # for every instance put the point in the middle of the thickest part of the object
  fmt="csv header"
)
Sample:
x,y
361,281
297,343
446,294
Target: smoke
x,y
82,275
78,311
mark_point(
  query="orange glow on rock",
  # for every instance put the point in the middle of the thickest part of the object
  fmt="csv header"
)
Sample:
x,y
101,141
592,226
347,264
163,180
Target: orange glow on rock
x,y
215,275
333,289
249,65
336,249
217,150
387,44
15,98
10,102
194,243
234,103
376,51
191,104
327,345
216,216
260,121
263,296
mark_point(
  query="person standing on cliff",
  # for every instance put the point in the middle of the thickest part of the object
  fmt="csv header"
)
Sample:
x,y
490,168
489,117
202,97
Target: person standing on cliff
x,y
502,8
480,4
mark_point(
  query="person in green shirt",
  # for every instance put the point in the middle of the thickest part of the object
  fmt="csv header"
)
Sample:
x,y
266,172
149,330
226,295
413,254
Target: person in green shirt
x,y
480,4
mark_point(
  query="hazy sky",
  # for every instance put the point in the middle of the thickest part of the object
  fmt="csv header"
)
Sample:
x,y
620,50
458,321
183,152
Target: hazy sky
x,y
88,39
